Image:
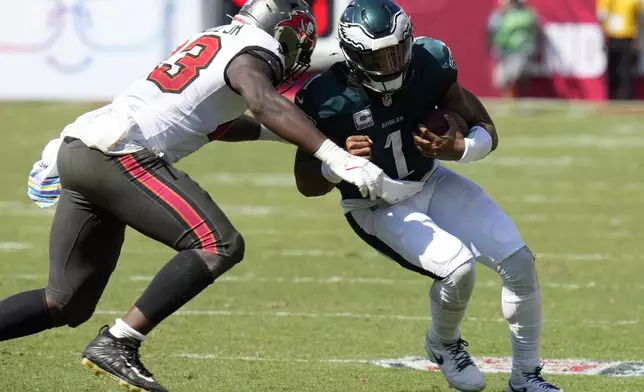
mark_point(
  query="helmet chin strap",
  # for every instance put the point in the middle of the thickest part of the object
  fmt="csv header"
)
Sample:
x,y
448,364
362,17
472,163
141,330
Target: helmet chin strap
x,y
387,87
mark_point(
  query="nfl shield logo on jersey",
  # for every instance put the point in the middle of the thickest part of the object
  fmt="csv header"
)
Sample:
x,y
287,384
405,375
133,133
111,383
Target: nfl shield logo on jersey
x,y
363,119
387,100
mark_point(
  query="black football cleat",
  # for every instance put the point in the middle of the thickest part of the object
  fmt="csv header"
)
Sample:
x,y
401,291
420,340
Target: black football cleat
x,y
119,359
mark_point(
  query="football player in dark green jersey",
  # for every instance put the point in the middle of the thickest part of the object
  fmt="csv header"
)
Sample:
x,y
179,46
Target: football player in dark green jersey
x,y
372,103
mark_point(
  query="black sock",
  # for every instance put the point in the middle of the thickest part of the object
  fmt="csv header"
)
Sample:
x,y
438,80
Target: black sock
x,y
24,314
179,281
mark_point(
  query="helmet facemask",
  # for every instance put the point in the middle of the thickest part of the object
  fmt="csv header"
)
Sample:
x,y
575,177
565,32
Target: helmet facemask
x,y
376,38
297,44
382,70
292,24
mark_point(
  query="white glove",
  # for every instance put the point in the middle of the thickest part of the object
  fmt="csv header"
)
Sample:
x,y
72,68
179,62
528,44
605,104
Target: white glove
x,y
395,191
392,191
355,170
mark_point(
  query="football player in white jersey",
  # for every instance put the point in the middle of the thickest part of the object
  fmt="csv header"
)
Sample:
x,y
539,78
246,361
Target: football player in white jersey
x,y
115,168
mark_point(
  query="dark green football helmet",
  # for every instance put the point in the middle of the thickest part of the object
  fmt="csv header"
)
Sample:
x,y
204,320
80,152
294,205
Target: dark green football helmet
x,y
376,37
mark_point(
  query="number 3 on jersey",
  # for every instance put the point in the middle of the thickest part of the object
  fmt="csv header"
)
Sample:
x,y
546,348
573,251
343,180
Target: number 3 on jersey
x,y
183,67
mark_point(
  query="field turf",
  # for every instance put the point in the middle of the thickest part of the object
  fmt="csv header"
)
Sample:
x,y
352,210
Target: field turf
x,y
310,293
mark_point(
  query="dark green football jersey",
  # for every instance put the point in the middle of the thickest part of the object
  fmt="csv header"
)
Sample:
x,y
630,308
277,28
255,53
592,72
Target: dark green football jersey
x,y
341,107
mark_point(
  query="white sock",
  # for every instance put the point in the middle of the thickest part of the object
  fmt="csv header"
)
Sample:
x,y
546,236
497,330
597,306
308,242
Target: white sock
x,y
449,298
521,303
121,330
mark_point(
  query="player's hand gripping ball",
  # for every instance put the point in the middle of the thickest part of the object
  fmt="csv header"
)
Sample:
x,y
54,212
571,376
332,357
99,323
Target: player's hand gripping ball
x,y
441,134
436,122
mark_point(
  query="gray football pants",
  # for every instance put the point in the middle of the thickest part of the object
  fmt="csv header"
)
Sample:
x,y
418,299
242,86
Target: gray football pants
x,y
101,195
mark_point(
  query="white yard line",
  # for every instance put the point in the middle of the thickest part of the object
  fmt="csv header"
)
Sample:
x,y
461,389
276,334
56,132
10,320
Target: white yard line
x,y
266,359
359,316
538,162
249,209
14,246
586,367
568,142
282,314
15,208
370,254
28,276
369,281
581,256
627,129
262,180
549,199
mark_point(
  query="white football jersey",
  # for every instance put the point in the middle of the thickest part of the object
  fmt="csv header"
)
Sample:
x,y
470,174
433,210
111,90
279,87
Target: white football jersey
x,y
178,107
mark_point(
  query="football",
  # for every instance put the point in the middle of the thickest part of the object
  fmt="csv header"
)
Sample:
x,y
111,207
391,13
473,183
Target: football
x,y
437,124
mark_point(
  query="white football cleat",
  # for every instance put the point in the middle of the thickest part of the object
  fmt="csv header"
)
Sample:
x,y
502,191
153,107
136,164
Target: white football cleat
x,y
456,365
529,379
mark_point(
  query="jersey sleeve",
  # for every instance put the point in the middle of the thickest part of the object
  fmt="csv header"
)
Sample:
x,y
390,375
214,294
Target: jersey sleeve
x,y
321,100
439,62
277,69
306,102
310,99
261,45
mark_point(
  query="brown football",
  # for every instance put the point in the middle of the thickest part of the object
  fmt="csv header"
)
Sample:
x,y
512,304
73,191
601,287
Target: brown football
x,y
436,123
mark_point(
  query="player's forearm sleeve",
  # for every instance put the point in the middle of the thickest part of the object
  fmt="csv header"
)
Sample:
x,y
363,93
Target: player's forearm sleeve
x,y
478,144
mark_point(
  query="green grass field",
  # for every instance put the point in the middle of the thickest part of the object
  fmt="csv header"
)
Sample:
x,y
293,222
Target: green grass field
x,y
310,292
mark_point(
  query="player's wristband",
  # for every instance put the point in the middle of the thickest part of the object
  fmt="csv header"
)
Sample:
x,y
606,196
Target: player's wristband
x,y
330,154
478,144
268,135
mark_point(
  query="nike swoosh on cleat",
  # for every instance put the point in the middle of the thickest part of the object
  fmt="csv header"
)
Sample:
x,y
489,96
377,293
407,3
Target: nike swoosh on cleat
x,y
138,373
438,360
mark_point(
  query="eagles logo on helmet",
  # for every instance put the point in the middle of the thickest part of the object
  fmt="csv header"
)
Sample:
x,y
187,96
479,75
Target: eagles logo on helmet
x,y
376,38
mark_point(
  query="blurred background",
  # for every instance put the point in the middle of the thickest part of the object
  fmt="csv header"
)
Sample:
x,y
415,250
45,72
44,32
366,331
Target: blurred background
x,y
92,49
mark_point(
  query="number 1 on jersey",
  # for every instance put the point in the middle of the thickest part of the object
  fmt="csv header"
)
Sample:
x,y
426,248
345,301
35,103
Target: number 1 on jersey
x,y
394,140
183,67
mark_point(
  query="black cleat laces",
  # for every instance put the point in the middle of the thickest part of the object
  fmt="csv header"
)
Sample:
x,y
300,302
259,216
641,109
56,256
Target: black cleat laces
x,y
536,378
460,357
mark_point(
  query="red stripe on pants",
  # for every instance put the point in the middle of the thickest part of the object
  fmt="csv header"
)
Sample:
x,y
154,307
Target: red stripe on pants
x,y
188,214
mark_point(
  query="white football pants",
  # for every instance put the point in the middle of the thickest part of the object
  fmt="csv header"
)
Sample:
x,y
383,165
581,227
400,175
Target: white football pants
x,y
442,227
451,221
